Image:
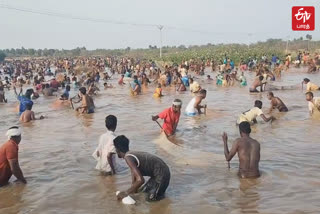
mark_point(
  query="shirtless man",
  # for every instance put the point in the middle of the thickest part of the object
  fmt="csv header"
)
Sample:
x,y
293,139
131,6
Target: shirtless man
x,y
248,151
93,89
87,105
28,115
194,106
257,82
276,102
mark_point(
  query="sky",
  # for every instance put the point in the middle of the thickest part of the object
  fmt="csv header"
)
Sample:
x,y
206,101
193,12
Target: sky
x,y
186,22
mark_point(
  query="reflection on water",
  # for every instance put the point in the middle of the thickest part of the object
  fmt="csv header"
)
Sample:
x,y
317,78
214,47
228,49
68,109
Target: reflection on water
x,y
55,155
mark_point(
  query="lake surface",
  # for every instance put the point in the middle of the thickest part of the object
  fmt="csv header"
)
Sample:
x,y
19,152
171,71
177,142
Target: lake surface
x,y
55,154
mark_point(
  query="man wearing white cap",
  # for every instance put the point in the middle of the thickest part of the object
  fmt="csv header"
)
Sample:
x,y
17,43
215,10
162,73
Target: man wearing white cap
x,y
171,117
9,164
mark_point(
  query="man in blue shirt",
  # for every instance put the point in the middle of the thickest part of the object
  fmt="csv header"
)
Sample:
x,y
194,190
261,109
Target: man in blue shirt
x,y
24,99
273,61
65,95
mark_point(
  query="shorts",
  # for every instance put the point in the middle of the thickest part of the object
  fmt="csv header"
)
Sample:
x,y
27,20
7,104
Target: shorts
x,y
157,186
90,111
243,83
283,109
253,90
191,114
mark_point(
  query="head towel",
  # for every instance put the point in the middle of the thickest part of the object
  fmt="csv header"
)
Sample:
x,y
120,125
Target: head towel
x,y
12,132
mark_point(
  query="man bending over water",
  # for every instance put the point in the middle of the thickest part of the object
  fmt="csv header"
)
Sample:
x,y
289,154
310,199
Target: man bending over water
x,y
248,151
252,114
276,102
143,164
194,107
257,82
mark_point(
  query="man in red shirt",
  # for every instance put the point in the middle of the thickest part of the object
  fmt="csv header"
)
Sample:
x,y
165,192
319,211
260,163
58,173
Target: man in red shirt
x,y
171,117
54,84
9,163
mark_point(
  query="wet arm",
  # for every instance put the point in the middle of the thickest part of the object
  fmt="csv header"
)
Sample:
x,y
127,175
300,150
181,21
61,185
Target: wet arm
x,y
272,106
230,154
16,170
198,106
137,178
136,88
32,116
266,119
110,162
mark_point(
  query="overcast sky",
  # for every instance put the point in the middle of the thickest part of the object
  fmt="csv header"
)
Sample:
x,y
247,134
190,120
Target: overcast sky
x,y
188,22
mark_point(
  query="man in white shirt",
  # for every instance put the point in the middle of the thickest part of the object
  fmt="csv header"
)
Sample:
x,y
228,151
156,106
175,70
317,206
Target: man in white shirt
x,y
310,86
194,86
194,107
314,102
252,114
105,152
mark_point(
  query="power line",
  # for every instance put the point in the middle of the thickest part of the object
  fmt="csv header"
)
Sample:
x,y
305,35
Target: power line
x,y
117,22
70,16
63,15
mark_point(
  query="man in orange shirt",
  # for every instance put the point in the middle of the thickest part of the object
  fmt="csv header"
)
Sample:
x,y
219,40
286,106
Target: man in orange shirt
x,y
9,164
171,117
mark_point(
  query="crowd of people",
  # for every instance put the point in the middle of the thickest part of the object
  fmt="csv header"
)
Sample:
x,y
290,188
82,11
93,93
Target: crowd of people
x,y
57,77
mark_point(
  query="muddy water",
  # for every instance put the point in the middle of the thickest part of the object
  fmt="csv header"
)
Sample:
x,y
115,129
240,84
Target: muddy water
x,y
55,155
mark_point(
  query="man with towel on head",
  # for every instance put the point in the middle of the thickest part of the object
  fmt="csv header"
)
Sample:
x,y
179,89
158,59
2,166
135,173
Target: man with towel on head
x,y
9,164
171,117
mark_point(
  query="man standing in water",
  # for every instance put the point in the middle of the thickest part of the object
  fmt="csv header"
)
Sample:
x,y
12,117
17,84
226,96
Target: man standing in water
x,y
252,114
143,164
28,115
87,105
24,99
105,152
9,164
257,82
314,103
194,106
248,151
171,117
276,102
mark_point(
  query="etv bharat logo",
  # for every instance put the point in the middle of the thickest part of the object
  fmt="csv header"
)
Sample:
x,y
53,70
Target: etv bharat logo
x,y
303,18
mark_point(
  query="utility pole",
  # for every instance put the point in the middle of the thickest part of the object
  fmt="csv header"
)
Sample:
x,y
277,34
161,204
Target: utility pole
x,y
160,27
287,44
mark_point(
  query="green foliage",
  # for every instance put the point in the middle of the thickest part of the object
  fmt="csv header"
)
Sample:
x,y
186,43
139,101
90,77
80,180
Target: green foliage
x,y
178,54
2,56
